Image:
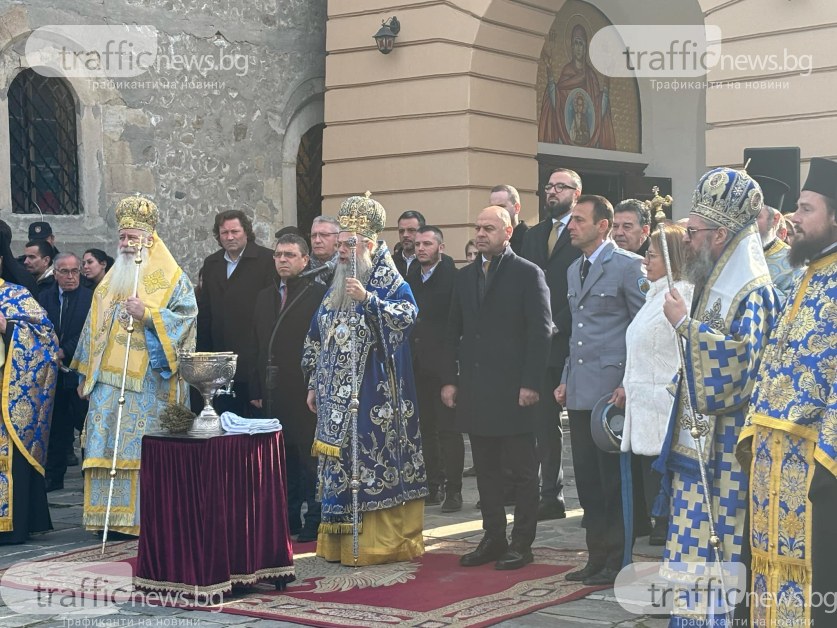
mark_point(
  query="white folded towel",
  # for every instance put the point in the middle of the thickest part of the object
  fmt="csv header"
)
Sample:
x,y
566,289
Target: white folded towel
x,y
234,424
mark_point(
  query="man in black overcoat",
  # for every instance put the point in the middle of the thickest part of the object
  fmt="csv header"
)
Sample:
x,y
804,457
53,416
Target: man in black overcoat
x,y
276,384
442,444
67,303
496,389
232,277
547,244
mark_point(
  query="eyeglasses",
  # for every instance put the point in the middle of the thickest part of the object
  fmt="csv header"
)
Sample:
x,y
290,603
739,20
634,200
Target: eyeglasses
x,y
558,187
650,255
693,230
68,271
323,236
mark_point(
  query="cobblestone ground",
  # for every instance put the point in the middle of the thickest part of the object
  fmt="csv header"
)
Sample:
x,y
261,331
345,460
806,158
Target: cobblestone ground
x,y
599,609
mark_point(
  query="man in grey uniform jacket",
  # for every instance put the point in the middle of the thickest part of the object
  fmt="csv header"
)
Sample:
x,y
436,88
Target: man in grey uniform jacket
x,y
605,291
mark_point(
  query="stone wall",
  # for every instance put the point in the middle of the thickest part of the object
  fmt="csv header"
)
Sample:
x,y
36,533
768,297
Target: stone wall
x,y
198,138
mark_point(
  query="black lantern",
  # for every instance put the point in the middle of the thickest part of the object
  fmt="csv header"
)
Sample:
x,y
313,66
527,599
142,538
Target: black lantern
x,y
385,37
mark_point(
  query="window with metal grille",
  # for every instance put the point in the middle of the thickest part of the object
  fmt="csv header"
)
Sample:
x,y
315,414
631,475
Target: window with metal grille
x,y
43,145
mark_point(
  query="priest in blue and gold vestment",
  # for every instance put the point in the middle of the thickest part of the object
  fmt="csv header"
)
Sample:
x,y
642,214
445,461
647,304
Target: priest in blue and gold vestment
x,y
28,359
791,432
733,309
360,335
164,311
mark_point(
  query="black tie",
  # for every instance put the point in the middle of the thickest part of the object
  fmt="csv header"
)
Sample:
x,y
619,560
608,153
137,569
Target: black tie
x,y
65,304
585,268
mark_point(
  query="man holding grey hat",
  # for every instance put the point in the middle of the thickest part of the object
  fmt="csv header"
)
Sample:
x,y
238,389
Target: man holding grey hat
x,y
790,438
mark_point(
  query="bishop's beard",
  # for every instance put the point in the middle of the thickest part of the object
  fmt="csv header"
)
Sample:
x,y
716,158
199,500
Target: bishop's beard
x,y
341,300
700,266
121,276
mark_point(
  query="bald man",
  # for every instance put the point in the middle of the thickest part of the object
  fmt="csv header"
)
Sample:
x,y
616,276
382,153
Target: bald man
x,y
496,391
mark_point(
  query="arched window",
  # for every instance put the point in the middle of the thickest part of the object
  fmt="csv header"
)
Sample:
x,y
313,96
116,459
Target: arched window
x,y
43,145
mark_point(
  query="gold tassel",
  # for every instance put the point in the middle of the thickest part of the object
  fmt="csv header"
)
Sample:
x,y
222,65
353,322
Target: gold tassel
x,y
319,447
339,528
787,572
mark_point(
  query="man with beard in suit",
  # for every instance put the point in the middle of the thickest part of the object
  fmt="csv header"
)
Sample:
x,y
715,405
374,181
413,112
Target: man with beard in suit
x,y
283,314
496,388
548,245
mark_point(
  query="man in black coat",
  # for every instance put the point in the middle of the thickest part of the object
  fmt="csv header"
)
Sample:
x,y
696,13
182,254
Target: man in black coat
x,y
442,445
501,369
283,313
232,278
67,304
547,244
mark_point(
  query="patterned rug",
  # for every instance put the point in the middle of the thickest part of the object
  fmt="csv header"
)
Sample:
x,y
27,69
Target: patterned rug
x,y
430,592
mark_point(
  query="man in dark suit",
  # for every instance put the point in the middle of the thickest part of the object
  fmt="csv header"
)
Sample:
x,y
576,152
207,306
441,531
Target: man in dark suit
x,y
501,369
405,257
283,313
632,226
605,291
232,278
507,196
443,446
548,245
67,304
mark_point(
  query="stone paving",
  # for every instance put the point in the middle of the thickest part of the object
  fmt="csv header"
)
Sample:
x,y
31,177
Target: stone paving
x,y
599,609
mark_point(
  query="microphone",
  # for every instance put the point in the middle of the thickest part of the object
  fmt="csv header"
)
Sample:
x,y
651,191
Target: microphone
x,y
328,266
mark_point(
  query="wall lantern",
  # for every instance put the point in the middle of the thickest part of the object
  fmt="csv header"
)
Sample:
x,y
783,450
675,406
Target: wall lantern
x,y
385,37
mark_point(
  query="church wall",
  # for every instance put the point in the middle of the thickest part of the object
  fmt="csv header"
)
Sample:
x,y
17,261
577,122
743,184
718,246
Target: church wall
x,y
197,141
452,110
756,105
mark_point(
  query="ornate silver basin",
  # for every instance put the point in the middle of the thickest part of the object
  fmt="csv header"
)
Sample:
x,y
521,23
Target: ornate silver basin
x,y
212,374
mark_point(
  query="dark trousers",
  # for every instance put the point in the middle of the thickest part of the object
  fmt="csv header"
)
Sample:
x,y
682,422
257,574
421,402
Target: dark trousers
x,y
550,438
69,412
443,448
301,475
599,482
823,496
493,454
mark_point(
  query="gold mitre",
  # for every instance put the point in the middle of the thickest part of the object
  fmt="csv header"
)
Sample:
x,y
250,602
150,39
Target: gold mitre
x,y
136,212
362,215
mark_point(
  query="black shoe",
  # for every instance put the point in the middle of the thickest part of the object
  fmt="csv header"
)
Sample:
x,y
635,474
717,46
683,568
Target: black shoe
x,y
551,509
583,573
72,460
489,550
52,484
605,576
470,472
514,558
660,532
435,497
307,535
452,503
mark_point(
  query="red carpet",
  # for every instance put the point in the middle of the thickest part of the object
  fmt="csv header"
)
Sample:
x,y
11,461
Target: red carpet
x,y
431,592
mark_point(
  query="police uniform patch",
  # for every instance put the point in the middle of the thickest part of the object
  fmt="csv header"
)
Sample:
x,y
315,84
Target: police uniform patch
x,y
644,285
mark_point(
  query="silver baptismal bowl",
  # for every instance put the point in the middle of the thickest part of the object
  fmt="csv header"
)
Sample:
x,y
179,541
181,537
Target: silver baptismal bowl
x,y
212,374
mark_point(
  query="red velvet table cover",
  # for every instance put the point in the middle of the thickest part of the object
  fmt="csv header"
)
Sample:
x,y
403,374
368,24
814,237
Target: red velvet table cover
x,y
213,513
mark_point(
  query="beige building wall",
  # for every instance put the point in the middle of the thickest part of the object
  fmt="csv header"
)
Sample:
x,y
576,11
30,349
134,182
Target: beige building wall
x,y
452,110
758,105
436,123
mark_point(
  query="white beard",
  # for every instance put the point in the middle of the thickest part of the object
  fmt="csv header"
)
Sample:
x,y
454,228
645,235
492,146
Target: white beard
x,y
341,300
123,271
